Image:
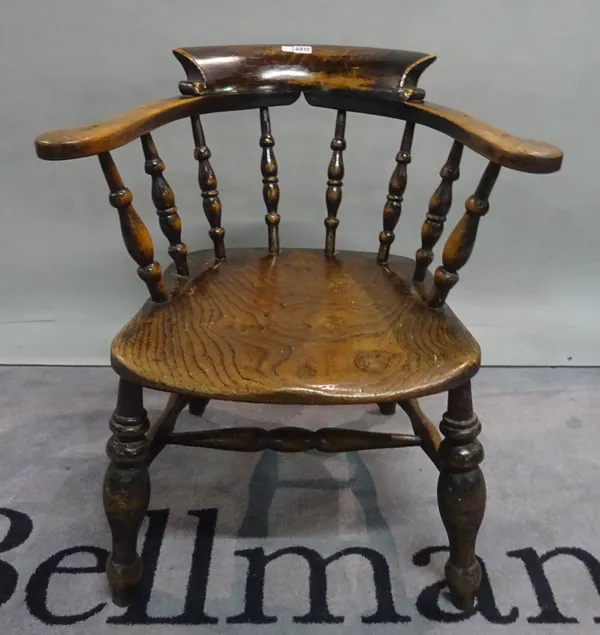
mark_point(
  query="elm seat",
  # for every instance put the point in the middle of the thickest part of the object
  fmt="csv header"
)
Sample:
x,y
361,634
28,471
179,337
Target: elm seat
x,y
296,328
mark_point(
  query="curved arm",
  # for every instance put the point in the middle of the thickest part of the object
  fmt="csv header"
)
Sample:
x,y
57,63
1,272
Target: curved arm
x,y
495,145
74,143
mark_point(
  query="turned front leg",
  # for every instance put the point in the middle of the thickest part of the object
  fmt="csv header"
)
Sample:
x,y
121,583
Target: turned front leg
x,y
461,494
126,490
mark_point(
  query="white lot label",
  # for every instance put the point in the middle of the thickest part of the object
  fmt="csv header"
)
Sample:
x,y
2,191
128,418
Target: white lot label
x,y
297,49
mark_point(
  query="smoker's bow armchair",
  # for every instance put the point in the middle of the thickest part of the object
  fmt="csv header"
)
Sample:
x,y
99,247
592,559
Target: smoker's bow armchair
x,y
298,326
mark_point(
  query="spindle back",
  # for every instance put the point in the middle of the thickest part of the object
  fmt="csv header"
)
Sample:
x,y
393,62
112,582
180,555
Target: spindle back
x,y
374,81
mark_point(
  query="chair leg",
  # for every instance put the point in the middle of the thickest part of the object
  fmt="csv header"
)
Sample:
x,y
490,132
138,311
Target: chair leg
x,y
461,494
387,408
198,406
126,490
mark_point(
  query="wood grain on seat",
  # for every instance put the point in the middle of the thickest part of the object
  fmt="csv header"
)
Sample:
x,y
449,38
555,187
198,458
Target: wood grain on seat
x,y
296,328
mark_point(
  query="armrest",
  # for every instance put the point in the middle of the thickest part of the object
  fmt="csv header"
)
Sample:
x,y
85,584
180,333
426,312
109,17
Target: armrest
x,y
74,143
496,145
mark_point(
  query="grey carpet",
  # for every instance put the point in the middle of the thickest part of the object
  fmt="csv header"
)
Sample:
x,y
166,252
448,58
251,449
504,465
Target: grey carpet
x,y
373,511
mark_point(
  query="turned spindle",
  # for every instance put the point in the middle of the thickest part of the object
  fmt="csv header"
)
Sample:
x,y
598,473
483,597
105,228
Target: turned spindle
x,y
335,176
292,439
459,245
393,204
439,206
268,168
135,234
164,201
208,186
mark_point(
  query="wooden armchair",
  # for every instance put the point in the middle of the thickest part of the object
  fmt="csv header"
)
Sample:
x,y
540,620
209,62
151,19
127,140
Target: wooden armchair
x,y
298,326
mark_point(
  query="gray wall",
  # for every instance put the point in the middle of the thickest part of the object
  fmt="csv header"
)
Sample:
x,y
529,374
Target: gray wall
x,y
531,291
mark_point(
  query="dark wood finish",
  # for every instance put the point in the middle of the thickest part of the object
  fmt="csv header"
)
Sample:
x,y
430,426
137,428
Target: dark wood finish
x,y
105,136
135,234
126,490
268,168
198,406
292,439
461,494
208,186
393,204
264,329
439,206
376,81
335,177
373,72
424,429
298,326
461,241
164,201
495,145
161,429
387,408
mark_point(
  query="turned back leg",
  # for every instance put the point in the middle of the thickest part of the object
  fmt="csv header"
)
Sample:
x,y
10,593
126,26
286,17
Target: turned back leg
x,y
198,406
126,490
461,494
387,408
